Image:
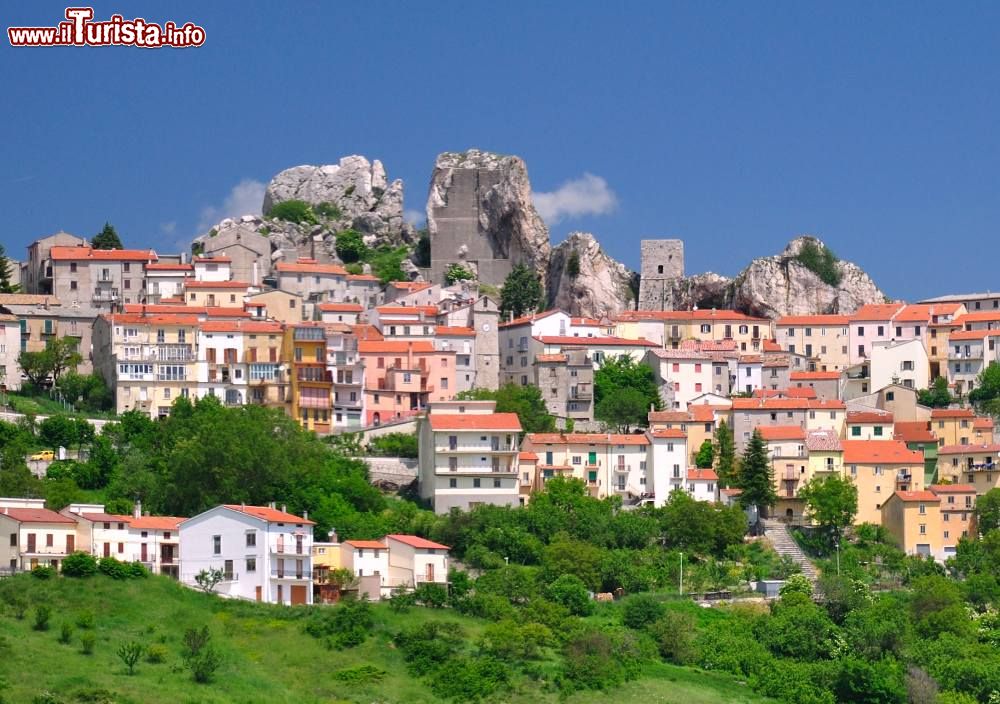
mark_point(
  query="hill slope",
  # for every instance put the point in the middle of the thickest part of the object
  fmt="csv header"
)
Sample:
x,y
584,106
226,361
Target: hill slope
x,y
267,656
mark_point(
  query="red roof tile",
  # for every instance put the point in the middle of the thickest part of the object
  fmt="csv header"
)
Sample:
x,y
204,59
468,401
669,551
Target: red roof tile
x,y
508,422
969,449
395,346
453,331
310,267
817,320
188,283
605,341
419,543
340,307
35,515
668,417
925,496
914,431
157,522
106,518
945,413
268,514
366,544
952,488
880,452
668,433
62,253
527,457
814,376
782,432
708,475
549,358
971,334
868,417
874,312
169,267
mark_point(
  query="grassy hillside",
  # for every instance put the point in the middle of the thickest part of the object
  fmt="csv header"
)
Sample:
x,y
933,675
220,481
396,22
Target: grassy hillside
x,y
267,655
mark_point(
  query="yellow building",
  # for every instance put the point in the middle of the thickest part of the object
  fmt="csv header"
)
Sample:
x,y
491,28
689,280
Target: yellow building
x,y
879,468
699,422
311,384
671,327
913,518
225,294
282,306
953,426
823,339
262,350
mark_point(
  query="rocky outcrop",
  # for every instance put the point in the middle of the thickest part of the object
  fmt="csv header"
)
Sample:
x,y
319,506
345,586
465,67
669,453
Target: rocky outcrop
x,y
479,210
780,285
584,281
357,188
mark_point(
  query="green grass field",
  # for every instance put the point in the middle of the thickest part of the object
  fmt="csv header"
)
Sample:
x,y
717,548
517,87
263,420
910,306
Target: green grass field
x,y
267,656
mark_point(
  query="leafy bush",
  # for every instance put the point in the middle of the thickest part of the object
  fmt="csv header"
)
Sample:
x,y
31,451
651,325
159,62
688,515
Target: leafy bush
x,y
674,634
427,646
204,664
114,568
386,263
85,620
362,674
65,633
328,210
345,625
456,273
796,584
570,591
79,564
573,264
642,610
43,612
432,595
43,572
394,445
87,641
351,246
156,653
296,211
467,679
517,642
601,660
129,653
821,261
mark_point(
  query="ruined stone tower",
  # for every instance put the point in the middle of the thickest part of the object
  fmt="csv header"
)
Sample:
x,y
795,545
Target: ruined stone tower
x,y
662,263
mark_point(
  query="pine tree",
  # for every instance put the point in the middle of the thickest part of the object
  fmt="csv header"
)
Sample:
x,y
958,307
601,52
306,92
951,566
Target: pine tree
x,y
522,292
6,266
756,479
705,456
726,452
107,238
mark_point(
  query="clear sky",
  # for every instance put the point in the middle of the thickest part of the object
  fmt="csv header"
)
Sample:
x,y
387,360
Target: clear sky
x,y
734,126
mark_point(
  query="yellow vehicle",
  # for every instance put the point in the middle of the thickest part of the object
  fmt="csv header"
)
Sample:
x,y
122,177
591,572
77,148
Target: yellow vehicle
x,y
44,455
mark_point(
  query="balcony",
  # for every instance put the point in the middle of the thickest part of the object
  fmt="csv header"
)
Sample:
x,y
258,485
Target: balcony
x,y
790,475
105,296
581,394
296,549
458,448
621,469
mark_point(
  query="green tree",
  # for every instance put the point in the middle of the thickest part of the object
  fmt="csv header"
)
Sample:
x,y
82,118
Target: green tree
x,y
59,355
58,431
6,273
937,396
525,401
522,292
987,387
623,372
570,591
573,264
726,453
107,238
297,211
387,263
706,455
422,253
351,246
821,261
622,409
756,478
832,502
456,273
988,511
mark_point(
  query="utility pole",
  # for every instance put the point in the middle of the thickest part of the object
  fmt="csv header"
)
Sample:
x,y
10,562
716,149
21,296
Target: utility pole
x,y
680,582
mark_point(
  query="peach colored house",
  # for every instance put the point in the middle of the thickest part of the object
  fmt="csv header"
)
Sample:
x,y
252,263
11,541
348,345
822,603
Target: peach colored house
x,y
402,377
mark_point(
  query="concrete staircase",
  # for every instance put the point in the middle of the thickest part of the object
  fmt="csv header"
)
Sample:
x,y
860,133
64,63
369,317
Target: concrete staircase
x,y
781,539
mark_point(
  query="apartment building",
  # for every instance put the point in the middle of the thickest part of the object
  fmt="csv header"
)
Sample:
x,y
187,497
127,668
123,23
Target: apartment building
x,y
870,323
401,378
42,318
347,371
566,382
265,554
878,468
608,463
222,370
280,306
870,425
913,519
102,278
211,294
468,456
749,414
461,341
969,353
976,465
973,302
699,423
165,280
346,313
826,384
364,289
312,280
958,506
310,388
823,339
99,533
953,426
37,536
37,270
681,374
902,362
671,327
414,561
156,542
667,468
267,379
368,562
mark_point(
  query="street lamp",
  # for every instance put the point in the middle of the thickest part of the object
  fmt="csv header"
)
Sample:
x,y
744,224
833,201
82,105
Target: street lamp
x,y
680,581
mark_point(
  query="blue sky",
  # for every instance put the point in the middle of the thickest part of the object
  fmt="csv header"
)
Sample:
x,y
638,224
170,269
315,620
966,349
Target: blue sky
x,y
734,126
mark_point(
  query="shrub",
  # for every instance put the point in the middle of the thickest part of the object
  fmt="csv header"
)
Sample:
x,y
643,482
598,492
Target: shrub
x,y
570,591
195,640
156,653
674,635
510,641
328,210
401,600
297,211
65,633
87,641
641,610
456,273
204,665
351,246
43,612
427,646
85,620
129,653
821,261
113,568
467,679
432,595
79,564
18,605
797,584
362,674
573,264
601,660
345,625
394,445
43,572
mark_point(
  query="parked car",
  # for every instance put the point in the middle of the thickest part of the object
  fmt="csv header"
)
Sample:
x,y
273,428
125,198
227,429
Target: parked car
x,y
44,455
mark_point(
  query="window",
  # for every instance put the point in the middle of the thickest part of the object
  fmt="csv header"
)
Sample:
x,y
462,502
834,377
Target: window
x,y
878,431
452,483
923,529
890,395
881,330
496,483
251,564
923,509
476,483
216,544
251,538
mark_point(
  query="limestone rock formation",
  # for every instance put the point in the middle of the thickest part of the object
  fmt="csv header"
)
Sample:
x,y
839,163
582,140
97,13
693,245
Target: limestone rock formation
x,y
780,285
480,214
358,188
584,281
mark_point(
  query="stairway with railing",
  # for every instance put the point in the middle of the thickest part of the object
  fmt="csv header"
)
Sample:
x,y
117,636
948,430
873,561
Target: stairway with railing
x,y
784,544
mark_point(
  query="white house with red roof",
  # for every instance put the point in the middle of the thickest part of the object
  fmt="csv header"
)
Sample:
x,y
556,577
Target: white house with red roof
x,y
703,484
368,561
33,536
468,457
155,541
100,533
265,553
414,561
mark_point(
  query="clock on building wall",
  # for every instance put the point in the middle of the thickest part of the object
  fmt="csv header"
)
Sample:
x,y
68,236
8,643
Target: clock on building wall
x,y
486,327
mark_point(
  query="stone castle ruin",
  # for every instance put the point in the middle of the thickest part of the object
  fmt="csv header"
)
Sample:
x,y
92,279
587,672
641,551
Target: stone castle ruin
x,y
661,266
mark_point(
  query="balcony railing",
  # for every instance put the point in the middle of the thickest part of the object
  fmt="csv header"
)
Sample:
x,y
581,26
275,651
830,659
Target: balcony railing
x,y
790,475
106,296
291,574
288,549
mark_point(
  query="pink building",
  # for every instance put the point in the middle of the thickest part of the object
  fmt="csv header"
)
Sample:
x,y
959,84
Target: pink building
x,y
871,323
402,377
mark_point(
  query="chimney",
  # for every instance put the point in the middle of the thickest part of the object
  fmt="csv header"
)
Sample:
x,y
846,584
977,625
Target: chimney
x,y
333,536
270,505
137,509
305,514
284,508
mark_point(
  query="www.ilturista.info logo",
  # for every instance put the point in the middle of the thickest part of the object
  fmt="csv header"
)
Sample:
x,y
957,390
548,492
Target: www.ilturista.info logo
x,y
80,30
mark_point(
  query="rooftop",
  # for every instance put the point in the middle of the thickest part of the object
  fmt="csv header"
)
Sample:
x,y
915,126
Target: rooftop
x,y
416,542
880,452
507,422
266,513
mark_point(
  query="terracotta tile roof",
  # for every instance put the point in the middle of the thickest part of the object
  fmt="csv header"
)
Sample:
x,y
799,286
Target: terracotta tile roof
x,y
161,319
944,413
367,333
525,319
585,322
268,514
157,522
879,452
866,417
410,286
628,439
366,544
982,424
27,299
362,277
668,433
340,307
694,355
668,417
545,438
63,253
971,334
823,441
35,515
169,267
527,457
984,316
605,341
217,259
310,267
750,359
914,313
924,496
806,392
453,331
952,488
188,283
385,346
989,448
416,542
704,412
874,312
815,376
474,421
706,475
817,320
771,346
782,432
407,310
244,326
772,362
914,431
548,358
106,518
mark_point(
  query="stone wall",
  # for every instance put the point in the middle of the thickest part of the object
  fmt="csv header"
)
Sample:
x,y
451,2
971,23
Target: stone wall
x,y
662,263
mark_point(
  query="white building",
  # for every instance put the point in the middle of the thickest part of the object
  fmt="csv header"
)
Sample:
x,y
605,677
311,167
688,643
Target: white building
x,y
969,353
166,280
682,375
155,542
222,371
900,362
33,536
414,561
871,323
368,561
265,554
703,484
468,457
99,533
10,349
667,464
217,268
749,372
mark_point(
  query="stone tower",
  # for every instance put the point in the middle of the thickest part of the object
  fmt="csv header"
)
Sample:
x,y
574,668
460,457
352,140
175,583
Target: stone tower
x,y
662,263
